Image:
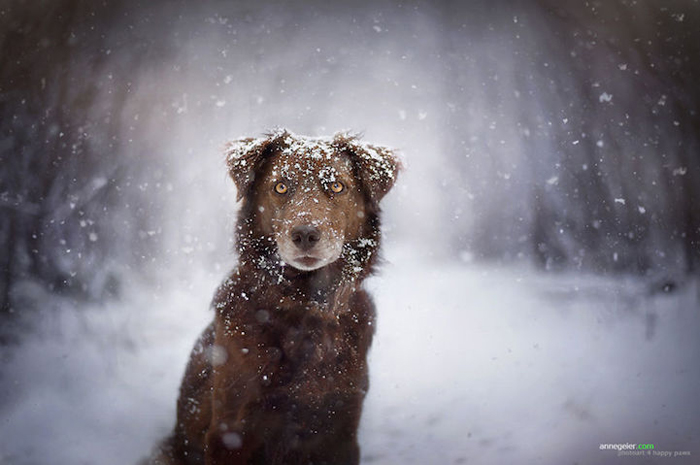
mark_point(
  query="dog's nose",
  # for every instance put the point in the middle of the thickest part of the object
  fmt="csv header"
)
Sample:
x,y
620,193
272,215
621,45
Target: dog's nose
x,y
305,237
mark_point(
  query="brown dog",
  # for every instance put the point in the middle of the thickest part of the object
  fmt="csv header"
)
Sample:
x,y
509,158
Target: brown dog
x,y
279,377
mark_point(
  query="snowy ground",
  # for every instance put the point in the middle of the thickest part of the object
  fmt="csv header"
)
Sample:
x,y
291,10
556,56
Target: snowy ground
x,y
471,364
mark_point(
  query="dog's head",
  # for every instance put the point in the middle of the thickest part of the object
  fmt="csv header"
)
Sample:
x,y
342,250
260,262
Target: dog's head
x,y
311,197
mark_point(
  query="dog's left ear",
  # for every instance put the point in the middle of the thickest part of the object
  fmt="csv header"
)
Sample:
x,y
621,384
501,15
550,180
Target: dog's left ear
x,y
243,158
377,166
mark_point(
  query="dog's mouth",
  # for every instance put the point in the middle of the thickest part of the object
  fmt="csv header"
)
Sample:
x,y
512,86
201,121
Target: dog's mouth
x,y
306,263
309,261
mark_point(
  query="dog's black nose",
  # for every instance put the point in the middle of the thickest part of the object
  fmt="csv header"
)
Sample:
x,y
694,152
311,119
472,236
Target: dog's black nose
x,y
305,237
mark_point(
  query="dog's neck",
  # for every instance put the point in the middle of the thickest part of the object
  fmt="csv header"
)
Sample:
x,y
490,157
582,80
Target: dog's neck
x,y
319,289
318,285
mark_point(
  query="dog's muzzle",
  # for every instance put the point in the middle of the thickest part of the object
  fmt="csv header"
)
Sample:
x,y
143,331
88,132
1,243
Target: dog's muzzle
x,y
307,247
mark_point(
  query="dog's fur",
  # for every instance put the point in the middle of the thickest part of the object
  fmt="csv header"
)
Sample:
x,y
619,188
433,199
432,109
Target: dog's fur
x,y
279,377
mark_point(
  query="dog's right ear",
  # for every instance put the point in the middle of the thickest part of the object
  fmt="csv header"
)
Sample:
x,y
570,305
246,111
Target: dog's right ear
x,y
243,158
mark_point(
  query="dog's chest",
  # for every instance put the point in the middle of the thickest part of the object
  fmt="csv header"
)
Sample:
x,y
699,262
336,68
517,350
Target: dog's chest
x,y
308,350
304,337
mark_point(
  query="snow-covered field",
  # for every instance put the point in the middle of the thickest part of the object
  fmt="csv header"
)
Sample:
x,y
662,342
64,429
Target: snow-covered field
x,y
471,364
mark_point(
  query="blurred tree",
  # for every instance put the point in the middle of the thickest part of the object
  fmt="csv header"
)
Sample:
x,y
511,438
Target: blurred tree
x,y
627,132
64,83
574,133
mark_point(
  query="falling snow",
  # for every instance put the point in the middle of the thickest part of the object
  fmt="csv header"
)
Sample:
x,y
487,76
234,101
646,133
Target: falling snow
x,y
605,97
535,299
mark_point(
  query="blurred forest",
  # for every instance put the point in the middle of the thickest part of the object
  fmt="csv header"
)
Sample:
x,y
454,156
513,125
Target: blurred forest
x,y
70,203
565,134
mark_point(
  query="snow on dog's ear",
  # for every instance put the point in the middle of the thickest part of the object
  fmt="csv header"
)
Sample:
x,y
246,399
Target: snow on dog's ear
x,y
244,157
377,166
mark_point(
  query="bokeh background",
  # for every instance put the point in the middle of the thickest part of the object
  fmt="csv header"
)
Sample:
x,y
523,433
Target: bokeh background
x,y
553,138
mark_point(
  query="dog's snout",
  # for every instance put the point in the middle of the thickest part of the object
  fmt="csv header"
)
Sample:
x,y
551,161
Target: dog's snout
x,y
305,237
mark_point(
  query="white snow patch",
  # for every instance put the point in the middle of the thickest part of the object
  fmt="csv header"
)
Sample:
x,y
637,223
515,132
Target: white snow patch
x,y
605,97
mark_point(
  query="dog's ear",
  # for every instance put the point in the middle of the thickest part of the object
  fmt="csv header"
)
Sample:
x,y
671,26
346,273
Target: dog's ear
x,y
243,158
377,166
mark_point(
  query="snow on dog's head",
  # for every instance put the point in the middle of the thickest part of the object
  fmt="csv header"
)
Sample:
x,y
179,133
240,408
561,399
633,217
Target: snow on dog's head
x,y
311,200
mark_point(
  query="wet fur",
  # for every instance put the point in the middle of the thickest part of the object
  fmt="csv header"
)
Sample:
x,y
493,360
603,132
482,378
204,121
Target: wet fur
x,y
279,377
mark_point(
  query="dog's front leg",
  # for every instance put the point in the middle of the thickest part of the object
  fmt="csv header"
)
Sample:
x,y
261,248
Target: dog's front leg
x,y
226,447
227,441
230,438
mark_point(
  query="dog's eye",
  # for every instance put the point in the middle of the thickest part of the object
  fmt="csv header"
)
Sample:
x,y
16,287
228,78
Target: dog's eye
x,y
337,187
281,188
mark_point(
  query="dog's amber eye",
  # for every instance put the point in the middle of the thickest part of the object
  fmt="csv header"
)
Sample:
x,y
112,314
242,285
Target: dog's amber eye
x,y
281,188
337,187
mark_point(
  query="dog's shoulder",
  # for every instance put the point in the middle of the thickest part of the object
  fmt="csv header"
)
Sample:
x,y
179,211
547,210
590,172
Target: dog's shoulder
x,y
226,293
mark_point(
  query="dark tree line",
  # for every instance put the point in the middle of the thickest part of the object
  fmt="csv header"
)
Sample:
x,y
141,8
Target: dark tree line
x,y
69,212
637,207
600,97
